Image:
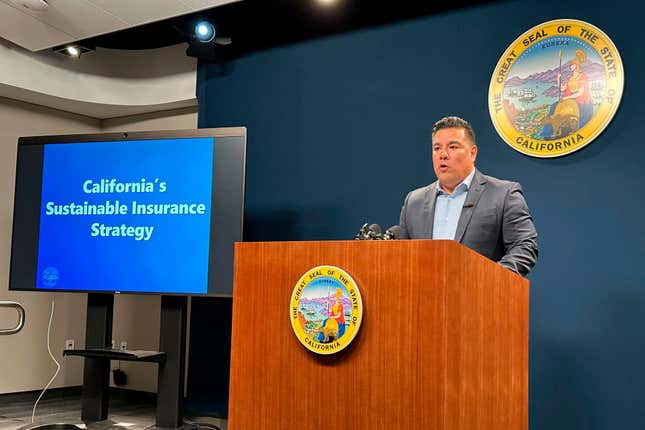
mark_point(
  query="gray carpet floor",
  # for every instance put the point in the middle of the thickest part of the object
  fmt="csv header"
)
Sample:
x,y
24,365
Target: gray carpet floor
x,y
127,415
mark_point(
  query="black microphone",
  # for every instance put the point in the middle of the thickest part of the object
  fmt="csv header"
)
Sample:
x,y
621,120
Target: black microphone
x,y
362,233
392,233
369,232
375,232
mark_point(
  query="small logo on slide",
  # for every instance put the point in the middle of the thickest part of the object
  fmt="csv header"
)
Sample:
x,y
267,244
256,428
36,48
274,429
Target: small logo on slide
x,y
50,277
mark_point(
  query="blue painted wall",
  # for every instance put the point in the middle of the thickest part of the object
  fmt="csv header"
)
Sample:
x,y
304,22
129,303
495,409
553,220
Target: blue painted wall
x,y
338,132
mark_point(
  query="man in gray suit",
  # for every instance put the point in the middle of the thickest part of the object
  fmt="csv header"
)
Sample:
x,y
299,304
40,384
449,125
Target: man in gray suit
x,y
486,214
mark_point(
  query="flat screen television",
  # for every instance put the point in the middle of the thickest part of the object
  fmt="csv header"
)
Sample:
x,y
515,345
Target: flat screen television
x,y
148,212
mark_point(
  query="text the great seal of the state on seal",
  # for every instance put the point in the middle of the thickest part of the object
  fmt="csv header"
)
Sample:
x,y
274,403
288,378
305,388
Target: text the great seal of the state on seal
x,y
556,88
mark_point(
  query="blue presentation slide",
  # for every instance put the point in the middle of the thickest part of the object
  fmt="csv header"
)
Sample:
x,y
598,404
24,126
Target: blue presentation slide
x,y
131,216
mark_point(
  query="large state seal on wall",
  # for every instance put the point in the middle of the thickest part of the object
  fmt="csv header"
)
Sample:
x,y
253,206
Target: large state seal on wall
x,y
555,88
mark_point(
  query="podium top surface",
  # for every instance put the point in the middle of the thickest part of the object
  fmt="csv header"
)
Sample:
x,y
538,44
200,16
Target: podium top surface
x,y
391,252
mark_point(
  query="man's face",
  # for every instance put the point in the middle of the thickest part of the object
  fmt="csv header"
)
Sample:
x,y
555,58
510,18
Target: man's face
x,y
453,156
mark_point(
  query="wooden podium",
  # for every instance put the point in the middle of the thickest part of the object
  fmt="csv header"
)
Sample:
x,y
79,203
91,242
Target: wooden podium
x,y
443,343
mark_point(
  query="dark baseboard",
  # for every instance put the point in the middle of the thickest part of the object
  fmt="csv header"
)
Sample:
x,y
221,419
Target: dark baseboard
x,y
116,394
31,396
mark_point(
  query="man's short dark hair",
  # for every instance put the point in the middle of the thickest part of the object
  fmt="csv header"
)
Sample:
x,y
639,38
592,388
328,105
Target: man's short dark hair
x,y
454,122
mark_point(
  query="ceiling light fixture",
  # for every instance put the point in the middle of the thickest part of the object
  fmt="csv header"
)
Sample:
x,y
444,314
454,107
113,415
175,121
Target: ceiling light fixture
x,y
205,44
72,50
326,2
204,31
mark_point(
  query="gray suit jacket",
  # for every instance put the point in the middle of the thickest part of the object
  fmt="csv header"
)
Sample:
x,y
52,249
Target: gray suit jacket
x,y
495,221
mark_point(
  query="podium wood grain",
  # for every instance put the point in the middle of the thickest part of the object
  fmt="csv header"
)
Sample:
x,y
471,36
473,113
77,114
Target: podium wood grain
x,y
443,342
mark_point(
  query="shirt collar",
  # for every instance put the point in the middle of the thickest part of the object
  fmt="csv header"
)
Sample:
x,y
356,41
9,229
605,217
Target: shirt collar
x,y
465,184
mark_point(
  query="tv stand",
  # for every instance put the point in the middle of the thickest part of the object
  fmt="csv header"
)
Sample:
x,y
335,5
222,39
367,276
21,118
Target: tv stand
x,y
118,354
171,360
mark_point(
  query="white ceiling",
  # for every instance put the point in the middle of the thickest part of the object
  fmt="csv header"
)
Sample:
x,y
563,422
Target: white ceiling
x,y
66,21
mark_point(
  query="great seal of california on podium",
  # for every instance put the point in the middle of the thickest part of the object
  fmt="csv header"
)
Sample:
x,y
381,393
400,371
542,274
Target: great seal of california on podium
x,y
326,309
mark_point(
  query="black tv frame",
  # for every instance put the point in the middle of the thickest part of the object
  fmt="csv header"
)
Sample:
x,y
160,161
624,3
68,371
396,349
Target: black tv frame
x,y
220,273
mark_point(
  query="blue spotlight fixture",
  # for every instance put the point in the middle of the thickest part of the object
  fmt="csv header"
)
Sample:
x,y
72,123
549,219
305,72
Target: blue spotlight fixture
x,y
204,31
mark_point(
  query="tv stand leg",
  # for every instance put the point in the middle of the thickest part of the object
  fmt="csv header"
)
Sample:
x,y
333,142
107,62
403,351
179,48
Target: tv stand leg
x,y
96,371
172,341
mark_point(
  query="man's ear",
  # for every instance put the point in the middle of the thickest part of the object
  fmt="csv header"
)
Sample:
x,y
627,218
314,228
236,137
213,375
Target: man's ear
x,y
473,152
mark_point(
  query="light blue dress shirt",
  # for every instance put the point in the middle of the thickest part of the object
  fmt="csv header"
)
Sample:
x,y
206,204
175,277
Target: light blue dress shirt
x,y
447,209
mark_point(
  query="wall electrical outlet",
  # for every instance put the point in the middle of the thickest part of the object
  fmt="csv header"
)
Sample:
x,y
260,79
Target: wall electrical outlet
x,y
69,344
124,345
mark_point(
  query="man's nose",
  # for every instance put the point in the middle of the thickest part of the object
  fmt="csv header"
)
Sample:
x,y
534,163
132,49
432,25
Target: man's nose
x,y
443,154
